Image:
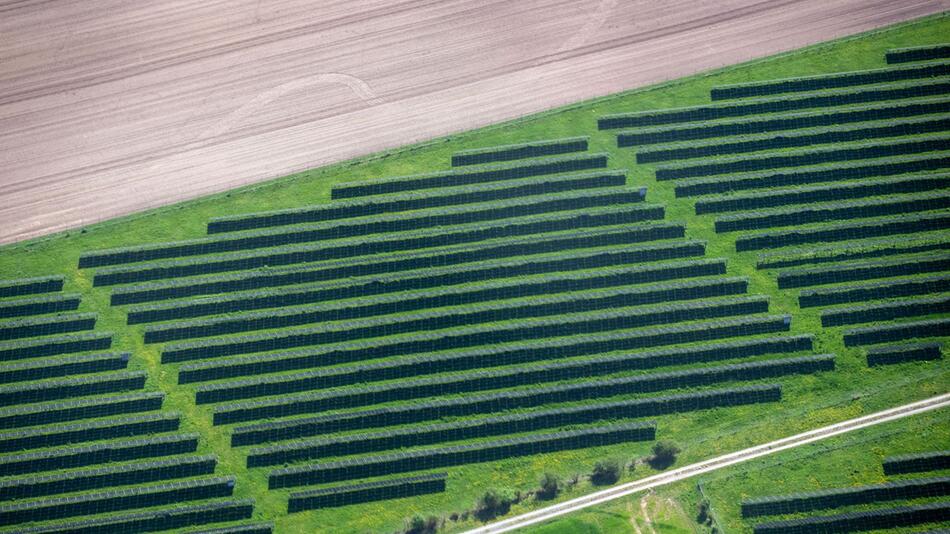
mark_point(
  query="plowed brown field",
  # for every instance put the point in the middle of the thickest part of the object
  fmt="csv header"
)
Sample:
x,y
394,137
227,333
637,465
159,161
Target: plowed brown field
x,y
110,107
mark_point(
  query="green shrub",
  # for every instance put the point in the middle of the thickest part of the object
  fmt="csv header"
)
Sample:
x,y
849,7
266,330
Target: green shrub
x,y
664,454
606,472
550,487
493,504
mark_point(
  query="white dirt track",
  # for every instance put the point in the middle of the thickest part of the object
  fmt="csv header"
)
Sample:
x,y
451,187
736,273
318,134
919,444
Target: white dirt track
x,y
111,107
719,462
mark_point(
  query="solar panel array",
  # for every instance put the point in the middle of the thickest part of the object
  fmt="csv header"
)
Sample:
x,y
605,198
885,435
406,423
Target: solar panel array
x,y
897,503
529,294
836,182
548,281
84,444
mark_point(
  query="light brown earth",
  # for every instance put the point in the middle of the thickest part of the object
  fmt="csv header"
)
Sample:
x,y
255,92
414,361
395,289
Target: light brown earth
x,y
109,107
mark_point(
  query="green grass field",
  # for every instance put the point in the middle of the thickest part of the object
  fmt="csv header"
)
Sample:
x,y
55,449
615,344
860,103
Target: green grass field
x,y
808,400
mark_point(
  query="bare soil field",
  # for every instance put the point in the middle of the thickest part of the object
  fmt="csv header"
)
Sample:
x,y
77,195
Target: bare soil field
x,y
111,107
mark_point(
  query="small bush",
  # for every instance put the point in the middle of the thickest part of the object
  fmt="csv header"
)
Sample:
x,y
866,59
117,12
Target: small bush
x,y
605,472
702,516
664,454
422,525
492,504
550,487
